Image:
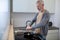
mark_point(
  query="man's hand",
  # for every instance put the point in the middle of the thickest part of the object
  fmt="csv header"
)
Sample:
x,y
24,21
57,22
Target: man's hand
x,y
28,27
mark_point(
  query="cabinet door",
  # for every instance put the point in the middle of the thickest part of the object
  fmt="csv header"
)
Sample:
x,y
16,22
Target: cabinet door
x,y
24,6
20,5
53,35
50,5
32,6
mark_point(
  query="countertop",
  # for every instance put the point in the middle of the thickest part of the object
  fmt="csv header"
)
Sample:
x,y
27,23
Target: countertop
x,y
24,28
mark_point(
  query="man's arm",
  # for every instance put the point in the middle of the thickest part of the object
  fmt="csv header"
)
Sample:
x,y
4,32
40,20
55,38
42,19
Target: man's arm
x,y
42,23
34,20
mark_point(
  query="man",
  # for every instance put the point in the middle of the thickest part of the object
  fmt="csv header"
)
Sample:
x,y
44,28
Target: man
x,y
41,19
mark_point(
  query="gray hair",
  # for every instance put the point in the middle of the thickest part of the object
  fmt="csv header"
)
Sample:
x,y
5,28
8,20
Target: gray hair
x,y
41,1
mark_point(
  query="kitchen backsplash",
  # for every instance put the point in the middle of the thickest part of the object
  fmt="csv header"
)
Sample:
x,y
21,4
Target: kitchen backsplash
x,y
20,18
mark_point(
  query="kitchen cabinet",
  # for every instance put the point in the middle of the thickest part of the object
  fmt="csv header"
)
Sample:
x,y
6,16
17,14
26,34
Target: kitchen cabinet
x,y
53,35
30,5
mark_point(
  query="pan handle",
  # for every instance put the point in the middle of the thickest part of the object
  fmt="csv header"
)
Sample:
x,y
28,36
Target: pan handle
x,y
28,22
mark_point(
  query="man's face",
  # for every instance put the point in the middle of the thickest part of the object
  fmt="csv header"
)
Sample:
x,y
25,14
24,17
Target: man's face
x,y
39,5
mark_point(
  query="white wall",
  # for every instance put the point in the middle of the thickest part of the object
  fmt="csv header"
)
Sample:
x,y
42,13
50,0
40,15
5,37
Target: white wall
x,y
21,18
57,14
4,18
4,24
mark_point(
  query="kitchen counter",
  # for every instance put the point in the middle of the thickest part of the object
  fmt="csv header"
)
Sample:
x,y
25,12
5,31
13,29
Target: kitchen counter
x,y
23,28
52,33
11,33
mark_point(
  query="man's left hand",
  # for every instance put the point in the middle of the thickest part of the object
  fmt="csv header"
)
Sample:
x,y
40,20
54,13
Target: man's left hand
x,y
29,28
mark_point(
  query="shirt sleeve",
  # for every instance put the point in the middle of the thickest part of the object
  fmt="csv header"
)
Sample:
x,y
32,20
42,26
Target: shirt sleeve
x,y
42,23
34,20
